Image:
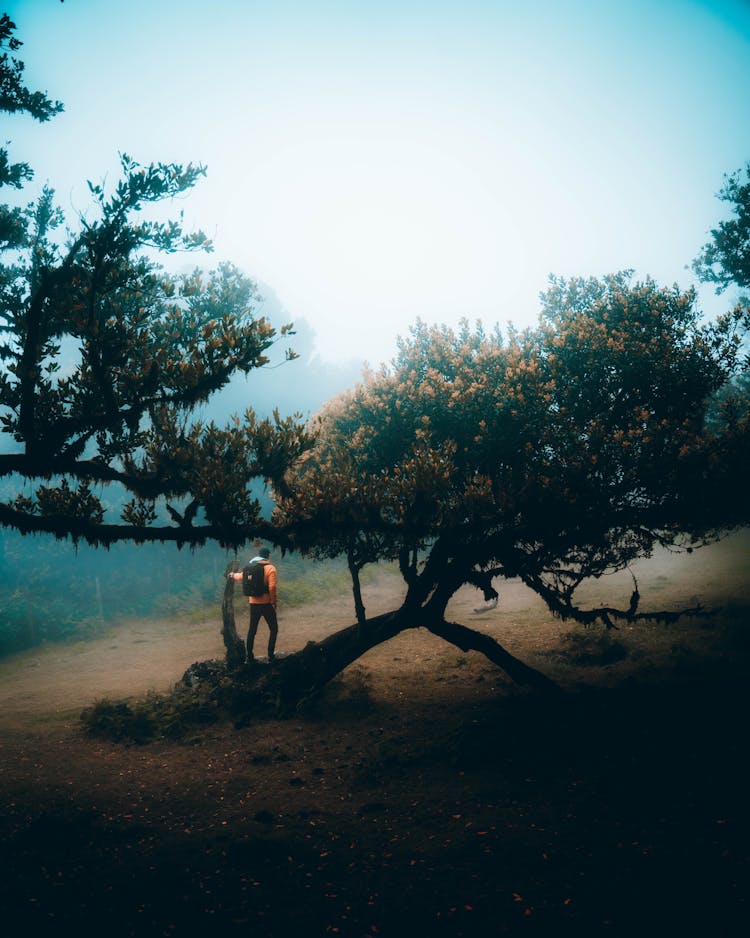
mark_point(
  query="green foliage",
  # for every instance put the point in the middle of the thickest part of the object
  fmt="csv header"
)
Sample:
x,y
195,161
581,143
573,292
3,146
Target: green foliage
x,y
117,722
725,261
150,347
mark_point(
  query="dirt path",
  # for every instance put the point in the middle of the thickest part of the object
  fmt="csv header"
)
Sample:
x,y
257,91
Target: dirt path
x,y
56,681
142,655
423,796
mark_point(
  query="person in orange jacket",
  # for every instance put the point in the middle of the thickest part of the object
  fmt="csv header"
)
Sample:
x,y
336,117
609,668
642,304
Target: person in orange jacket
x,y
263,606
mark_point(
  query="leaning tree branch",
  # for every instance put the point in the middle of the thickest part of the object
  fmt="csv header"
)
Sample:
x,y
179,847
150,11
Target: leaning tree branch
x,y
302,674
470,640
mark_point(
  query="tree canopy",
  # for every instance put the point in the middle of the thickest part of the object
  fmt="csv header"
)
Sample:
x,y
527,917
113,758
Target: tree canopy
x,y
553,454
104,355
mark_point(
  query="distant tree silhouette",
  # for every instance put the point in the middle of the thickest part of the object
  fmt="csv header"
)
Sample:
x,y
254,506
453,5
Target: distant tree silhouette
x,y
725,259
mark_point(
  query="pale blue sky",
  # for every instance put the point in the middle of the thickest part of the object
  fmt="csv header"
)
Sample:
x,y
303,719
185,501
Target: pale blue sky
x,y
375,162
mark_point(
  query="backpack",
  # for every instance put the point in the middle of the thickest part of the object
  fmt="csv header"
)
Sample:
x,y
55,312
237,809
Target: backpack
x,y
254,579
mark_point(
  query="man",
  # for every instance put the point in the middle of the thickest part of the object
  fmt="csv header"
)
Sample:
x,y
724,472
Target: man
x,y
262,606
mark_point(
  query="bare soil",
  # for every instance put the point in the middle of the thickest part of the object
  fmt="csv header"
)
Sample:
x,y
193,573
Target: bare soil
x,y
424,794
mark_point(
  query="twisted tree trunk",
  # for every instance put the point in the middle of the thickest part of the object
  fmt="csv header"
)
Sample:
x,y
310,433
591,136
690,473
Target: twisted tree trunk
x,y
302,675
232,642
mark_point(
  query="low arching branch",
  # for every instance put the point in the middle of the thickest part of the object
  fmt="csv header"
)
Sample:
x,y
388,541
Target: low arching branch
x,y
83,529
470,640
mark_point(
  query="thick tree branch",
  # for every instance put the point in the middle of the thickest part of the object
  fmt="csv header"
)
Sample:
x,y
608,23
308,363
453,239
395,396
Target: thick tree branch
x,y
147,485
354,569
482,579
64,526
469,640
299,676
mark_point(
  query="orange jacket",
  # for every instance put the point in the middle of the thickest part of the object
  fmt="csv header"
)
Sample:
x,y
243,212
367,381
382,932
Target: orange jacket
x,y
269,574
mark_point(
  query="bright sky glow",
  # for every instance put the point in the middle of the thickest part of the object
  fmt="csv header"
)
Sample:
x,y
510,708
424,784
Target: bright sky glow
x,y
376,162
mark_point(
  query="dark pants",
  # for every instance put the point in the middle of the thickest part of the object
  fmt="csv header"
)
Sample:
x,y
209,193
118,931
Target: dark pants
x,y
260,611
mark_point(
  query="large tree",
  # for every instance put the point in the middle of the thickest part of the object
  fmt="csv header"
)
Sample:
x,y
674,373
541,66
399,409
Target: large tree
x,y
103,356
554,454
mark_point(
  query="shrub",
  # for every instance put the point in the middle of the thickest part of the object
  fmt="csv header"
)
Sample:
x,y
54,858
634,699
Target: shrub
x,y
592,647
167,716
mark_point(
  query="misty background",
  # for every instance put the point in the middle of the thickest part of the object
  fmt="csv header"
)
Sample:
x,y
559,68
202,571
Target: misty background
x,y
375,163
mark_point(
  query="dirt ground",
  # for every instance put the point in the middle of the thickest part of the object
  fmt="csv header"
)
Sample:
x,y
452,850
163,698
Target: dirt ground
x,y
424,795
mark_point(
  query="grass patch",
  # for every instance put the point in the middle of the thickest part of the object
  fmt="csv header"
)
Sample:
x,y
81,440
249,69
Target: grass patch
x,y
312,582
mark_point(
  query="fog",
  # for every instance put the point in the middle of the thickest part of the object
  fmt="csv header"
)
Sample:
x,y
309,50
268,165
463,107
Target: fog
x,y
375,163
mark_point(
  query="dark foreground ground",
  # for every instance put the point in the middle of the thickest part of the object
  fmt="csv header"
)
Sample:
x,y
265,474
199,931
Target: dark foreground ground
x,y
611,812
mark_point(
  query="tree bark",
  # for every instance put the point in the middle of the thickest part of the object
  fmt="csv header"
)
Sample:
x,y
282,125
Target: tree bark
x,y
232,642
286,684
